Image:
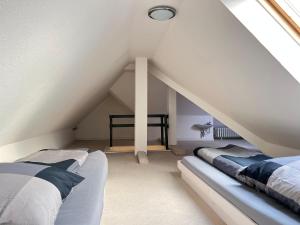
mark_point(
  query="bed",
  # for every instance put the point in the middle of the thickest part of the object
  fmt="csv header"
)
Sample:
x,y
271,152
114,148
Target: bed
x,y
84,205
54,187
233,201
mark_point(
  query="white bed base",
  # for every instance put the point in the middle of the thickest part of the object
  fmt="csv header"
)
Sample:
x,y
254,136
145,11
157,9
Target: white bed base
x,y
229,213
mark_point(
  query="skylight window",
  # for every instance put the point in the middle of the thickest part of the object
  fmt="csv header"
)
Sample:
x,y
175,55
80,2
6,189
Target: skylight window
x,y
287,13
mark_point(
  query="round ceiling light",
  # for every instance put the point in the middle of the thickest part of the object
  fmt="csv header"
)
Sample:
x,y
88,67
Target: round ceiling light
x,y
162,12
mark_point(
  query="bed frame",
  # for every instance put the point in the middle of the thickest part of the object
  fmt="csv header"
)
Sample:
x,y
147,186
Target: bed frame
x,y
229,213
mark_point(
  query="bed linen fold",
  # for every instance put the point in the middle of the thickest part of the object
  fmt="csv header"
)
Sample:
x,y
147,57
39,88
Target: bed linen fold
x,y
230,159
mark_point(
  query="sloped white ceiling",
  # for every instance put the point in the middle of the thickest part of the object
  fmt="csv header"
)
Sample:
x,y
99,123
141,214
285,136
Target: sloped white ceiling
x,y
59,58
210,53
56,59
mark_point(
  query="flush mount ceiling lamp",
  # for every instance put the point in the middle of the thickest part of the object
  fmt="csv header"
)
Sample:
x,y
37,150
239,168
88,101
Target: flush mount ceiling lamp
x,y
161,12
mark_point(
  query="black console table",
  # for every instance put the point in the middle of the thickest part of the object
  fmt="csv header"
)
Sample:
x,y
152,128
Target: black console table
x,y
163,124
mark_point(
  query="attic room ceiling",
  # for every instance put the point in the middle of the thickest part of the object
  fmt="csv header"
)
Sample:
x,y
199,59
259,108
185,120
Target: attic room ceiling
x,y
59,58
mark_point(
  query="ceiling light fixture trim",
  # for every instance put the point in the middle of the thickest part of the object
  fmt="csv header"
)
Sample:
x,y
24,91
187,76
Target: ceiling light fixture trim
x,y
162,12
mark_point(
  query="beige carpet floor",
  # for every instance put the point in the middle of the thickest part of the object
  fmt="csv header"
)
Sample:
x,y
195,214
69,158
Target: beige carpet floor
x,y
152,194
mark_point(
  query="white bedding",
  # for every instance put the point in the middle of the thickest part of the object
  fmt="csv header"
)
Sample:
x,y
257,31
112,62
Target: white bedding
x,y
54,156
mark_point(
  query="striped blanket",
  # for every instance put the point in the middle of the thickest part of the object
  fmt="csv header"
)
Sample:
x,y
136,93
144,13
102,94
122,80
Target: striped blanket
x,y
278,178
230,159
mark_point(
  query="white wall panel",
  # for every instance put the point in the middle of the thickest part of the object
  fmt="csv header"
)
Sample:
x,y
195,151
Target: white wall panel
x,y
14,151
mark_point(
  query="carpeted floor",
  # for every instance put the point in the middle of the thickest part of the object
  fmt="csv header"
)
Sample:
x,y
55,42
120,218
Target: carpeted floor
x,y
152,194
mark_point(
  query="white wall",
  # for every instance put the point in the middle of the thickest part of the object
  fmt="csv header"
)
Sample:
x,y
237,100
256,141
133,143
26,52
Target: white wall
x,y
217,123
157,96
186,107
186,130
189,114
95,125
14,151
123,90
